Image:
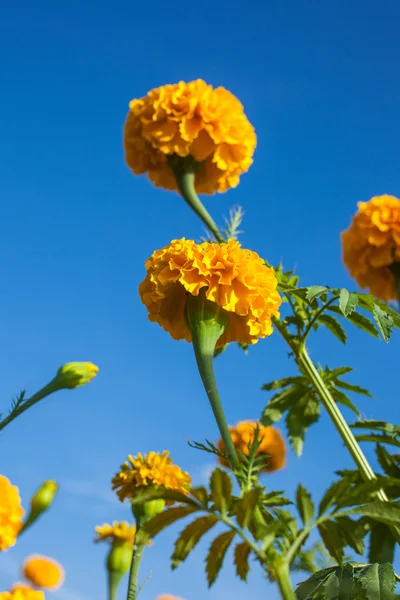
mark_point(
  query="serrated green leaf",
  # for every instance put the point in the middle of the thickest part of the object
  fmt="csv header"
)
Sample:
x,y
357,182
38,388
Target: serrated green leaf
x,y
334,327
335,373
348,301
221,490
384,512
284,382
332,494
244,508
380,439
190,537
352,533
384,322
216,555
377,581
331,587
305,505
280,403
166,518
341,398
389,464
381,544
331,536
346,583
201,494
299,418
242,552
359,320
315,291
360,493
313,586
345,385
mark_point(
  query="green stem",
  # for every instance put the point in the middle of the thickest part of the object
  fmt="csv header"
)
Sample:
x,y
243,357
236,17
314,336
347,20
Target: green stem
x,y
113,582
280,573
133,591
185,174
50,388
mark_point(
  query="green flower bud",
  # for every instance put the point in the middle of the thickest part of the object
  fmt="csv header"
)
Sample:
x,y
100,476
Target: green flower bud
x,y
75,374
41,501
148,510
118,563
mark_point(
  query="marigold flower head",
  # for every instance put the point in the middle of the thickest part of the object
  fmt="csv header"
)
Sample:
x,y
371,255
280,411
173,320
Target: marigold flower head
x,y
189,119
372,244
43,572
119,531
235,279
22,592
272,444
168,597
11,513
150,469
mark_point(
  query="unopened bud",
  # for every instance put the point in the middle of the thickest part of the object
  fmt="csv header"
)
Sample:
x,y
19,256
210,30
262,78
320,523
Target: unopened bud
x,y
41,501
148,510
75,374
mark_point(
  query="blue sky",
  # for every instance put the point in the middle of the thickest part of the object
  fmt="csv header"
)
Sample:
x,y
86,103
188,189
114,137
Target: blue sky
x,y
320,83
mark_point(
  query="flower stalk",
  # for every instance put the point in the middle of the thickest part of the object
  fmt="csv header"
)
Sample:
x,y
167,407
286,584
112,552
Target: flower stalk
x,y
133,587
207,322
280,574
184,170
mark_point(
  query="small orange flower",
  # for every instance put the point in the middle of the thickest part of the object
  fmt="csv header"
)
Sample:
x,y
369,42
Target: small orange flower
x,y
22,592
372,244
168,597
43,572
11,513
235,279
272,444
119,531
150,469
190,119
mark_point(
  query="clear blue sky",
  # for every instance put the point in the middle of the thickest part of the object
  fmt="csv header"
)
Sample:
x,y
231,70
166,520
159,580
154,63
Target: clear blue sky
x,y
320,83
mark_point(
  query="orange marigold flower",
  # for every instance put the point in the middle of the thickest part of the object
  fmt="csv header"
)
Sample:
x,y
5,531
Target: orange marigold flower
x,y
11,513
168,597
119,531
272,444
43,572
372,244
150,469
22,592
190,119
235,279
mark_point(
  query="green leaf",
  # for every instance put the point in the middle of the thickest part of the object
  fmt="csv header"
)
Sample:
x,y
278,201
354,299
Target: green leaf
x,y
388,463
384,512
315,291
343,399
378,581
331,587
281,402
144,494
384,322
347,302
332,494
331,536
352,533
242,552
281,383
352,388
245,507
221,490
300,416
346,585
381,544
334,327
166,518
335,373
359,320
216,555
190,537
201,494
380,439
313,586
305,505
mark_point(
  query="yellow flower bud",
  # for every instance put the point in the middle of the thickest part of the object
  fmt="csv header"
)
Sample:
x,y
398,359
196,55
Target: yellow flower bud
x,y
75,374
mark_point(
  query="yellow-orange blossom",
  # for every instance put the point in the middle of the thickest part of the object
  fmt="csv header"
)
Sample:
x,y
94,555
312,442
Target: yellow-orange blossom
x,y
235,279
372,244
119,531
43,572
272,444
11,513
22,593
189,119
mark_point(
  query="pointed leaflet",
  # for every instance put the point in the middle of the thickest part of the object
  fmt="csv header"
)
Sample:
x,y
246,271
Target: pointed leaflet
x,y
348,301
281,402
305,505
360,321
299,418
352,533
190,536
313,586
331,587
201,494
381,544
352,388
341,398
331,536
377,581
245,507
315,291
216,555
166,518
242,552
334,327
388,463
346,582
332,494
384,322
384,512
221,490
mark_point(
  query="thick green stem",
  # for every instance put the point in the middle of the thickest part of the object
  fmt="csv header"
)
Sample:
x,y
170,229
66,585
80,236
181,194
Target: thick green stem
x,y
185,173
280,573
133,588
341,425
114,579
52,387
207,322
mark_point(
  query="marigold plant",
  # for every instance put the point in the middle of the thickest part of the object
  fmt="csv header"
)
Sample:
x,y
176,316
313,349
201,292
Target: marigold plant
x,y
11,513
43,572
119,531
22,593
235,279
272,444
150,469
371,245
189,119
